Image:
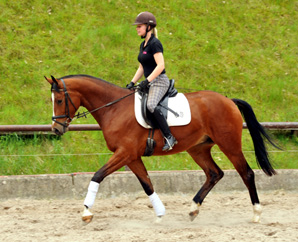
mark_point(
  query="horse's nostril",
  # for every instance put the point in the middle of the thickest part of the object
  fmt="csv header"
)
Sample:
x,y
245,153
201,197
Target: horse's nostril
x,y
57,132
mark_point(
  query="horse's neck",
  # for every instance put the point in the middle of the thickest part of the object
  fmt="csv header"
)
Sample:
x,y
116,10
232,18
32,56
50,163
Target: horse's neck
x,y
97,94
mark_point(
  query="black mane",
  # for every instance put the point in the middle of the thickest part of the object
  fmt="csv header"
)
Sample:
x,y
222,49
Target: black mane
x,y
88,76
81,75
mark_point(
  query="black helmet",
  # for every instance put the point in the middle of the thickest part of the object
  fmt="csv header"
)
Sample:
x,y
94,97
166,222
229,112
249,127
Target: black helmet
x,y
145,18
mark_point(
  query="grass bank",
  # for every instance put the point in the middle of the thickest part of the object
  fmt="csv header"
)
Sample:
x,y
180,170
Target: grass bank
x,y
242,49
47,155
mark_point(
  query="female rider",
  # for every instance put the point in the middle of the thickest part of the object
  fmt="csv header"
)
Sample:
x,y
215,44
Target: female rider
x,y
153,68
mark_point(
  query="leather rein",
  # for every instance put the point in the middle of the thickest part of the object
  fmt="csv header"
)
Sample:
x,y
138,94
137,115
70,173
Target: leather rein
x,y
79,115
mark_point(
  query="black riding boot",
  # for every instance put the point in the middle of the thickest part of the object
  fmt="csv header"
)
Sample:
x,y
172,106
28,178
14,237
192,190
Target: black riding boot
x,y
163,126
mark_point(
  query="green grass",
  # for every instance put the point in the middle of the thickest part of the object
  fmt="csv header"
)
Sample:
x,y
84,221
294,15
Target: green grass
x,y
49,154
242,49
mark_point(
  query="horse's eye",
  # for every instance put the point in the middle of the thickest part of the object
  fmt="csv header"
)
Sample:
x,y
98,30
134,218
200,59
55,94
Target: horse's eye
x,y
59,101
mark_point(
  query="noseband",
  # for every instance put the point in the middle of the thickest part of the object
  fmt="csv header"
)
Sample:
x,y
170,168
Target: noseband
x,y
67,113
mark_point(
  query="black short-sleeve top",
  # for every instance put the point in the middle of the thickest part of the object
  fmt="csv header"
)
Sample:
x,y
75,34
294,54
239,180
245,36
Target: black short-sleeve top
x,y
146,57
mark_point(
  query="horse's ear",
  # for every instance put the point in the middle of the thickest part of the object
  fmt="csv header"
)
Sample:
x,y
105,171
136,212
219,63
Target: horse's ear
x,y
49,80
54,80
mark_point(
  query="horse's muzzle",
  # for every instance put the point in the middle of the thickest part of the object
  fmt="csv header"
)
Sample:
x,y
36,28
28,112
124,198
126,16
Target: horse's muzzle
x,y
59,129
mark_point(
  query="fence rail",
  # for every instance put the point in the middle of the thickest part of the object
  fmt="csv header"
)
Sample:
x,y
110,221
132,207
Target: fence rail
x,y
278,125
30,129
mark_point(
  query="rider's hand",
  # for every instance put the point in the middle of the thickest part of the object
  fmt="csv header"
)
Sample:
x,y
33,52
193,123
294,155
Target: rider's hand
x,y
130,85
144,85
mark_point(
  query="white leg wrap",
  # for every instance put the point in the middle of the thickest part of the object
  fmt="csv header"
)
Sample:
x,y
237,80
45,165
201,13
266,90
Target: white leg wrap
x,y
257,213
157,204
91,195
194,206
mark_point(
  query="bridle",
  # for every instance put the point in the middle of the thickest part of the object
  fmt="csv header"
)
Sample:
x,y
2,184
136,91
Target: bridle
x,y
79,115
67,112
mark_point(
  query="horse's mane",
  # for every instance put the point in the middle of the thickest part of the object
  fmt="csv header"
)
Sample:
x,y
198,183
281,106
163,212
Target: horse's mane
x,y
88,76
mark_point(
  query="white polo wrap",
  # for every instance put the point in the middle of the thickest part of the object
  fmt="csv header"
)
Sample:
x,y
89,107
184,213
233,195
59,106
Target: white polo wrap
x,y
157,204
91,195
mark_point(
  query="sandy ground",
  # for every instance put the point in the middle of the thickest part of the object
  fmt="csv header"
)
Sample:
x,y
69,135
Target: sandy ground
x,y
223,217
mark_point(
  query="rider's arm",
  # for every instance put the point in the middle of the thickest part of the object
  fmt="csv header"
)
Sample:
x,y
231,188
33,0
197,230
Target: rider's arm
x,y
160,66
139,74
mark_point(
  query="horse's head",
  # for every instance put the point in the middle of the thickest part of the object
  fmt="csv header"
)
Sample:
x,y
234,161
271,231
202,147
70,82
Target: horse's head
x,y
64,105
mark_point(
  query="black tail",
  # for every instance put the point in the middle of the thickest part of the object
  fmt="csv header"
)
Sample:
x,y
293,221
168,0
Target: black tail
x,y
258,135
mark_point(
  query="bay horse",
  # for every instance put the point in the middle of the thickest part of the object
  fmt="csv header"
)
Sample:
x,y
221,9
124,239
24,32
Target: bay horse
x,y
216,120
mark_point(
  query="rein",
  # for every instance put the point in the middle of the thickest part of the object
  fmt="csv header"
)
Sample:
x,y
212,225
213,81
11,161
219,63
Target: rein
x,y
79,115
84,114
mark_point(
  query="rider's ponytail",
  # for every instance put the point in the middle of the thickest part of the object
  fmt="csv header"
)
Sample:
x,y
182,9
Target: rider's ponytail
x,y
154,31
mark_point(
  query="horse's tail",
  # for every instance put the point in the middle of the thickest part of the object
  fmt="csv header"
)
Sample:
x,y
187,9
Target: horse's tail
x,y
258,135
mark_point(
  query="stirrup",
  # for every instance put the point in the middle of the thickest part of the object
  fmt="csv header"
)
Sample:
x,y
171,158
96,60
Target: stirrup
x,y
169,143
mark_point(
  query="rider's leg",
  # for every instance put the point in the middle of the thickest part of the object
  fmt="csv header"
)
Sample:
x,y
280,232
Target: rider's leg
x,y
158,89
163,125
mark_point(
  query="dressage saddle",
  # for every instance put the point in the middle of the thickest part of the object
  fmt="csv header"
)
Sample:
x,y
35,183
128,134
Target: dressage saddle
x,y
147,115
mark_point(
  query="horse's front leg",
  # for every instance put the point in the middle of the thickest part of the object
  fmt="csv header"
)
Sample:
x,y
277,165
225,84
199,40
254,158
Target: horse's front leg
x,y
138,168
115,162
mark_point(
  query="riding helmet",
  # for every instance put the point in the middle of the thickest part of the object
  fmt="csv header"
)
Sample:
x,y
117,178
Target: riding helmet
x,y
145,18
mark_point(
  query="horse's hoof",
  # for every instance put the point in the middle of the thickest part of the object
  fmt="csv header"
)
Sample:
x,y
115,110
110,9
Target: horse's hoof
x,y
158,219
257,213
194,210
193,215
256,219
87,219
87,216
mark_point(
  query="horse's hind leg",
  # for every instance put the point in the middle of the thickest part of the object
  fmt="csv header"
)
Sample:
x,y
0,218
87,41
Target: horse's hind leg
x,y
248,177
138,168
202,156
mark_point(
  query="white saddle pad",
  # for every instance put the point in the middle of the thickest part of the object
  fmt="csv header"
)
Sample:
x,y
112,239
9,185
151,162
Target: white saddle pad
x,y
179,104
